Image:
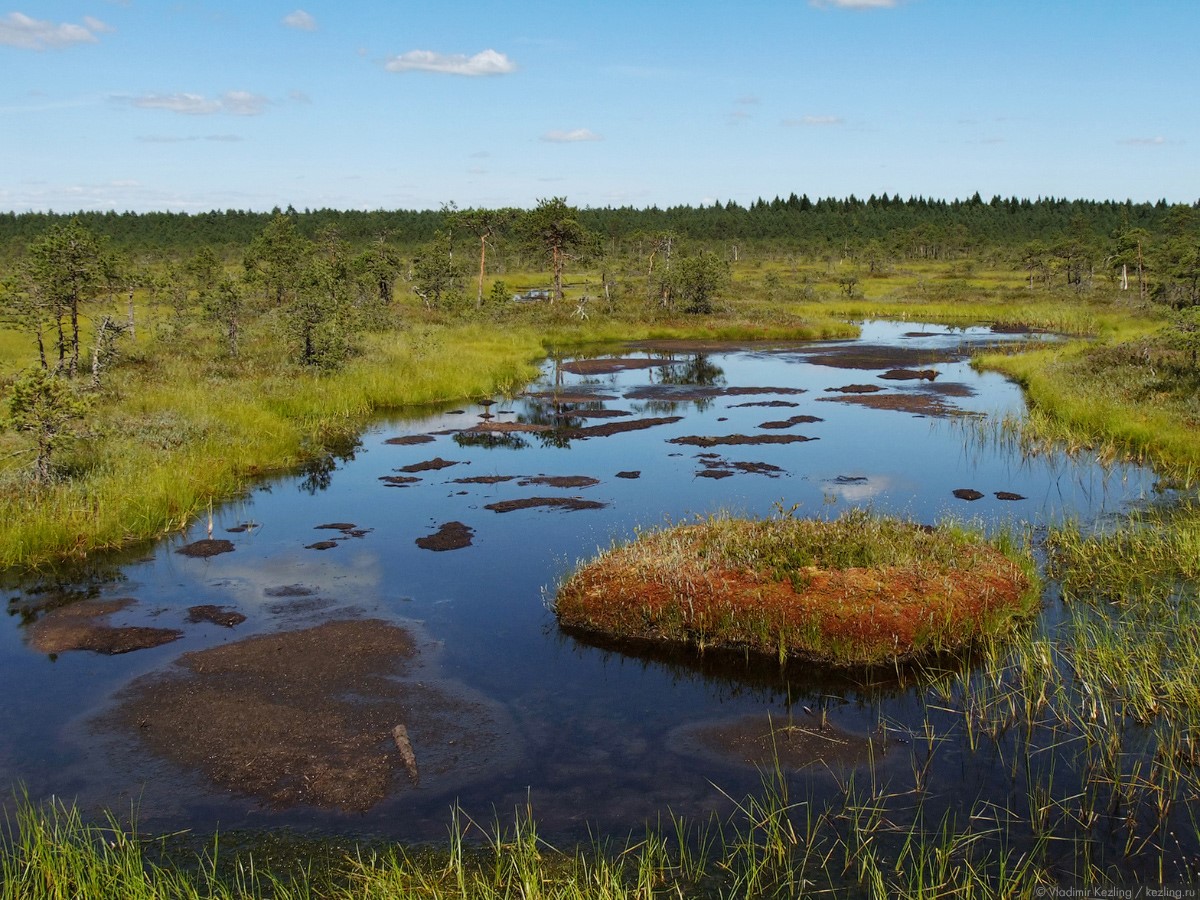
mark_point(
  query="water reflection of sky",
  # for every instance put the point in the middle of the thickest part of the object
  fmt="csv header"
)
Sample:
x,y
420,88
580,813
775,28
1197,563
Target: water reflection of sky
x,y
596,727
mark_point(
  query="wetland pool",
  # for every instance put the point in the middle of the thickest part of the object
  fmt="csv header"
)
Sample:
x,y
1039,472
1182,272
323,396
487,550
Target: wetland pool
x,y
408,586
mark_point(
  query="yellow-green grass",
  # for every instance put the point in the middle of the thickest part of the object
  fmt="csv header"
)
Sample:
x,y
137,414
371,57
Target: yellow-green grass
x,y
860,590
1109,401
179,436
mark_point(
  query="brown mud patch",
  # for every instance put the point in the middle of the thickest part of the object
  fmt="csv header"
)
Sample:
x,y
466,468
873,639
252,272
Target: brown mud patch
x,y
967,494
715,474
763,742
681,393
1008,495
909,375
449,536
321,545
429,465
874,356
852,389
633,473
789,422
611,428
572,503
308,716
84,626
217,615
915,403
410,439
205,548
336,526
695,440
289,590
612,365
560,481
484,479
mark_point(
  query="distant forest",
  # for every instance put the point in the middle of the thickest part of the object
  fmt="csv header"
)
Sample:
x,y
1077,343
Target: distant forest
x,y
1074,238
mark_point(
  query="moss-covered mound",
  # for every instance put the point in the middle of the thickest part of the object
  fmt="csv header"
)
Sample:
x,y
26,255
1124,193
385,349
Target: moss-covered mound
x,y
857,591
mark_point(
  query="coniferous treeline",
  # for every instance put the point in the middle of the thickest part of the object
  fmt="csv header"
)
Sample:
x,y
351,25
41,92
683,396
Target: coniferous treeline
x,y
916,226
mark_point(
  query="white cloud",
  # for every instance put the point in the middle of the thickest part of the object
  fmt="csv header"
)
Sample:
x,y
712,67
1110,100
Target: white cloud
x,y
19,30
300,20
815,121
235,103
574,136
855,4
487,62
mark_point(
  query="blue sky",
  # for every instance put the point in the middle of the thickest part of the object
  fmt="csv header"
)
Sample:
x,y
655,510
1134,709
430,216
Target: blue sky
x,y
140,105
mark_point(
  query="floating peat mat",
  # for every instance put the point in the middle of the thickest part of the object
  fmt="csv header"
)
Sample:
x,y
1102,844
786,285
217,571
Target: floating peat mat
x,y
312,716
909,375
679,393
612,364
509,428
611,428
449,536
560,481
574,503
429,465
792,421
85,626
853,389
630,474
205,548
217,615
879,356
968,494
410,439
857,591
769,404
695,440
916,403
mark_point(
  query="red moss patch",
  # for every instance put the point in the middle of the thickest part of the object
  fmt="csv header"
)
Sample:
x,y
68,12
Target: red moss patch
x,y
669,587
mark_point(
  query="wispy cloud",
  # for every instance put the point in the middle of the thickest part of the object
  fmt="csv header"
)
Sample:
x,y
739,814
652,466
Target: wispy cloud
x,y
19,30
234,103
574,136
300,20
486,62
854,4
1145,142
815,121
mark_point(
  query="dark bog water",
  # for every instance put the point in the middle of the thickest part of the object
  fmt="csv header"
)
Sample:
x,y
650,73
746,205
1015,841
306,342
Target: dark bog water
x,y
523,712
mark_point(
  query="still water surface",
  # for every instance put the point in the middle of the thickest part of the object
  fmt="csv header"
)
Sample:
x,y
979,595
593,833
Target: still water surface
x,y
582,733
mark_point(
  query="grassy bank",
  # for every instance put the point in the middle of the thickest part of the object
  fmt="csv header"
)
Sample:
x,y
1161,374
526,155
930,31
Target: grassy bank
x,y
860,590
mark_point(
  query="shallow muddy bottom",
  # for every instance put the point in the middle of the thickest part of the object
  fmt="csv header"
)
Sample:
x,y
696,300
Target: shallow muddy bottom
x,y
589,736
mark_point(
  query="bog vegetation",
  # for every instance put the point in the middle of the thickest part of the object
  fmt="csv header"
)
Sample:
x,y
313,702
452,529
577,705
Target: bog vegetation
x,y
153,364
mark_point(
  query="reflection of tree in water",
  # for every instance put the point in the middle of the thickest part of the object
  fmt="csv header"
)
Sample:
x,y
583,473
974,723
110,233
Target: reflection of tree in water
x,y
318,471
699,370
75,582
318,474
491,440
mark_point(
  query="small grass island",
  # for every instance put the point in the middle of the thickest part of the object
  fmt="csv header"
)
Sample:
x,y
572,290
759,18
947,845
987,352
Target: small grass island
x,y
859,590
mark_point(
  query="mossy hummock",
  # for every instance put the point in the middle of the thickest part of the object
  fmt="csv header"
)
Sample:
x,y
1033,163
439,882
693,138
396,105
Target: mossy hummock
x,y
860,590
